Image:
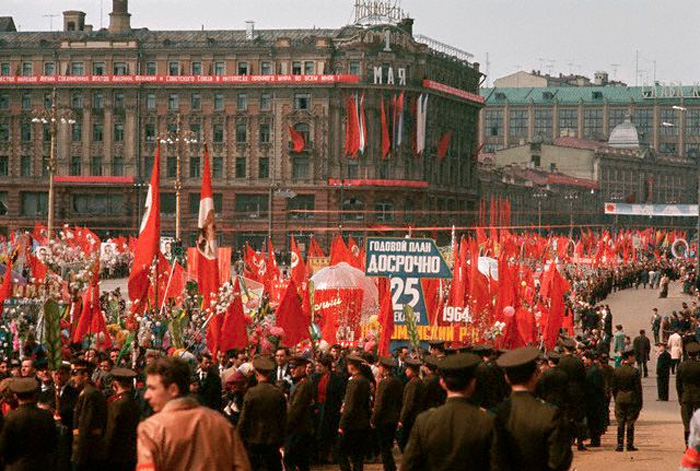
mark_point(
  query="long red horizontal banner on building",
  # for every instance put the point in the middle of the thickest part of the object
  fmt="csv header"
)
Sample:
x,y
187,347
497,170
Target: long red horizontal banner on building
x,y
371,182
178,79
441,87
91,179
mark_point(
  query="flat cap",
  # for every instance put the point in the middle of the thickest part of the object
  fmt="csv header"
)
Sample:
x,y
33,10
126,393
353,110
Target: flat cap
x,y
413,362
354,359
387,362
24,386
263,364
692,347
459,362
482,349
298,360
431,360
123,373
518,357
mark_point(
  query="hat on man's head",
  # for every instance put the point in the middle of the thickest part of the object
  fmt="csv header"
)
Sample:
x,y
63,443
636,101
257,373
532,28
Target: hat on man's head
x,y
24,386
387,362
518,357
437,343
692,348
431,361
123,373
298,360
413,362
263,365
458,363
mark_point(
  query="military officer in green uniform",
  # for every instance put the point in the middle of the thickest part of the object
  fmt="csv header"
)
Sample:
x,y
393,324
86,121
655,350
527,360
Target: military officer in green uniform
x,y
433,394
123,416
535,434
387,407
688,385
89,421
457,435
297,450
627,392
354,418
412,400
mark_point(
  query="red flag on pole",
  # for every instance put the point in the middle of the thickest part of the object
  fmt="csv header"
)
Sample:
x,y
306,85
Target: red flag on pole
x,y
352,129
6,288
386,317
386,140
233,331
148,243
298,266
291,318
298,141
207,263
444,145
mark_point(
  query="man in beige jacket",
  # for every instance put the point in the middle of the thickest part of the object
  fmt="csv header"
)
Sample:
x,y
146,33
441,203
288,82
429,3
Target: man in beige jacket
x,y
182,435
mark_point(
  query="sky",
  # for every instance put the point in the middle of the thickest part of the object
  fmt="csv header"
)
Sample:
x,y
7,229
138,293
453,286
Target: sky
x,y
579,36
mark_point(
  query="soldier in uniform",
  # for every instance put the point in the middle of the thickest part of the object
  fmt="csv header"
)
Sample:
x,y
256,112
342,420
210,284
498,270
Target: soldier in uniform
x,y
297,450
457,435
123,416
663,371
434,395
89,421
491,386
595,399
354,418
627,391
387,407
535,433
436,348
412,400
688,385
553,385
29,437
576,374
263,419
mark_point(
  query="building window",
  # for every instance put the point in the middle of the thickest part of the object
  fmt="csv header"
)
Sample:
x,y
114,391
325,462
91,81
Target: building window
x,y
301,167
493,120
121,68
409,207
218,132
97,132
241,132
195,167
301,207
3,203
174,101
4,166
167,203
296,68
384,210
5,68
242,102
26,101
150,132
264,133
518,123
151,102
98,101
96,166
196,101
77,132
48,101
302,101
568,122
667,147
117,166
217,167
353,210
240,167
669,122
174,68
384,170
692,122
219,102
49,68
251,206
692,151
4,101
99,68
34,203
354,68
46,132
151,68
243,68
197,68
193,203
119,101
118,132
4,131
616,116
76,166
26,131
264,167
27,69
593,123
171,167
352,168
78,68
266,68
265,102
219,68
76,100
543,122
644,121
147,166
98,204
309,68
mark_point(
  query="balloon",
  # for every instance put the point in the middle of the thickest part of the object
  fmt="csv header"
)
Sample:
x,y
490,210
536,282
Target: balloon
x,y
508,311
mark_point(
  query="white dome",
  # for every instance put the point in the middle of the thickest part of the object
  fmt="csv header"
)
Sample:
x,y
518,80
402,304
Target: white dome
x,y
624,136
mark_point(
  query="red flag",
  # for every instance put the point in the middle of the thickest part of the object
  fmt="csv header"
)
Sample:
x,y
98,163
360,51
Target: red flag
x,y
6,288
444,145
177,284
298,141
352,129
340,251
147,246
92,320
555,317
291,318
298,266
386,140
207,264
233,331
386,317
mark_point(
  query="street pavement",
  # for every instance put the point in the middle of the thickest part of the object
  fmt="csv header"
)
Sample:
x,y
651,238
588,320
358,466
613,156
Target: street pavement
x,y
659,431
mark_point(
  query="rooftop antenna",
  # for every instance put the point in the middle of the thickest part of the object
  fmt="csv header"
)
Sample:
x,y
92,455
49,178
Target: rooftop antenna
x,y
488,70
50,17
614,70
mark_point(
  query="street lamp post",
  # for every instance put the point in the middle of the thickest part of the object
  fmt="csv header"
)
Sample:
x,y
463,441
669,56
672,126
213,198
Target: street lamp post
x,y
51,117
179,138
571,196
539,195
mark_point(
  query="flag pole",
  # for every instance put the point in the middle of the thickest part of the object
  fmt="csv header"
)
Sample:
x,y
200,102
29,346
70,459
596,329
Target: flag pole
x,y
167,287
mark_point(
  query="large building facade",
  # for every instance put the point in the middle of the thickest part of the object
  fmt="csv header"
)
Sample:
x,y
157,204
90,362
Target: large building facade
x,y
239,92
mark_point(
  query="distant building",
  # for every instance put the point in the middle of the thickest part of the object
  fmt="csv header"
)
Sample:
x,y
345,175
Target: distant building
x,y
536,79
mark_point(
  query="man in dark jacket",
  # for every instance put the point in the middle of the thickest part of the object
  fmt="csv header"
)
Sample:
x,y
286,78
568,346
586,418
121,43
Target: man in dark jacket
x,y
29,437
663,371
263,419
387,407
89,421
297,450
576,374
642,349
123,416
688,385
329,389
354,420
210,389
627,391
412,400
595,399
433,394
